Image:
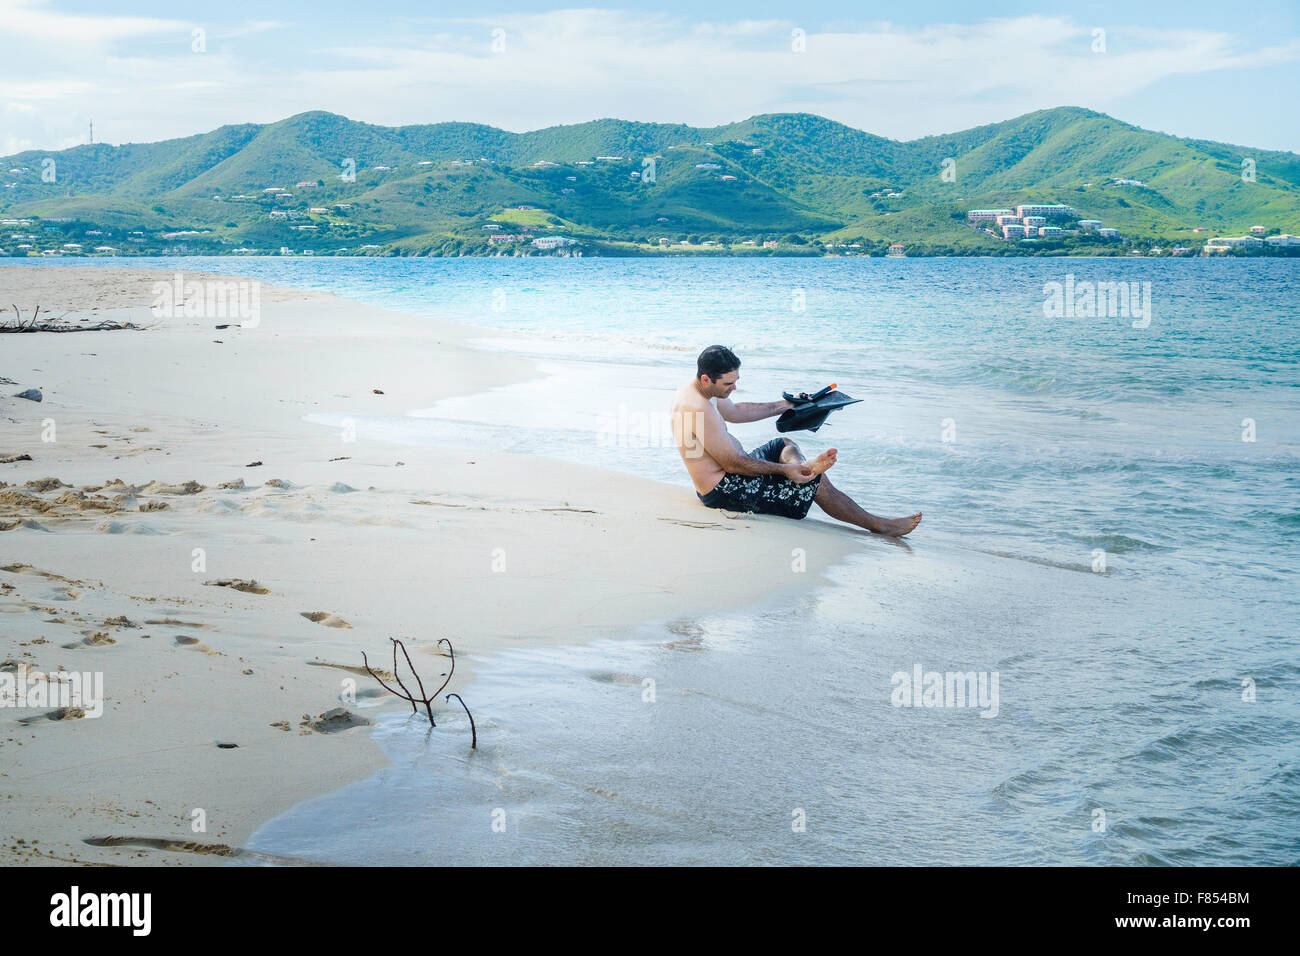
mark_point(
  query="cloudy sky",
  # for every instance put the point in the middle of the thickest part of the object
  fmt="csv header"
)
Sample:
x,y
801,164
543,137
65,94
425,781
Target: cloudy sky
x,y
145,70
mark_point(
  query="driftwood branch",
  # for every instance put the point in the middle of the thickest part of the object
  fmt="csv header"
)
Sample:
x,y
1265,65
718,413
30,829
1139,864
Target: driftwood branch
x,y
452,651
423,698
58,325
378,678
419,683
473,744
399,679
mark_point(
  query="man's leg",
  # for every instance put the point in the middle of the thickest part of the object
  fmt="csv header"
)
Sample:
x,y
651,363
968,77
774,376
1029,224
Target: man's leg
x,y
840,506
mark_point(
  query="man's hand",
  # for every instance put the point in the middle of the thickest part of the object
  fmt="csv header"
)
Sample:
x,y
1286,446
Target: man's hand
x,y
798,472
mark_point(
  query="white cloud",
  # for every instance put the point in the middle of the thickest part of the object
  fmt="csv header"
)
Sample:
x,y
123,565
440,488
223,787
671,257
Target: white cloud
x,y
37,20
569,66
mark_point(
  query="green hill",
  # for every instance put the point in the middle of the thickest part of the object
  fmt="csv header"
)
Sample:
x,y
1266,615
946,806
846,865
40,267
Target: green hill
x,y
322,182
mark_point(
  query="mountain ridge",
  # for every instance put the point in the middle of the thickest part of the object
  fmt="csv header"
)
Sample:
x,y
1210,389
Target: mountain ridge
x,y
798,178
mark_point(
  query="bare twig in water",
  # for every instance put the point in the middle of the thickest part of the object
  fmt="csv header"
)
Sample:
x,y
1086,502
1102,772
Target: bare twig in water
x,y
418,682
399,678
452,651
473,740
428,709
423,697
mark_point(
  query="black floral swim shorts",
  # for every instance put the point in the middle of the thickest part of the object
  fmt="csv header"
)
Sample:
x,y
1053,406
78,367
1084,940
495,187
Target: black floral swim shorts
x,y
763,494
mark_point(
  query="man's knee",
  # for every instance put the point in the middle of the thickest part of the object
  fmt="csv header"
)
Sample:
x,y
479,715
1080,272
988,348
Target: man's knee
x,y
787,451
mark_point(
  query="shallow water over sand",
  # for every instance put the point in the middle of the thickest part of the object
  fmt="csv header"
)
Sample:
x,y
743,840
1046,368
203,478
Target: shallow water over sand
x,y
771,737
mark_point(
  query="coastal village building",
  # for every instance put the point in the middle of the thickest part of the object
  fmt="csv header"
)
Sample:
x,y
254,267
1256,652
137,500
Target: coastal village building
x,y
1283,240
1050,211
987,215
896,251
1228,242
1257,230
553,242
1089,224
1013,231
1108,233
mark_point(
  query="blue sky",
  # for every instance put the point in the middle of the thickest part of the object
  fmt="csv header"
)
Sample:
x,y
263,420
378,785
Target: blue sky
x,y
1211,70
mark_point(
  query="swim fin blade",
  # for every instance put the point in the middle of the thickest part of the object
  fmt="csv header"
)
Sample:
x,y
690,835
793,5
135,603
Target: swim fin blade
x,y
810,413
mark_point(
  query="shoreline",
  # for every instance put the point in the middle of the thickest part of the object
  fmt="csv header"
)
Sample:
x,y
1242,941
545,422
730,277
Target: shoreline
x,y
651,253
523,550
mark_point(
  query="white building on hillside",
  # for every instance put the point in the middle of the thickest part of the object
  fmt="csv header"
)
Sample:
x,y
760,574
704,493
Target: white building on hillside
x,y
1048,210
553,242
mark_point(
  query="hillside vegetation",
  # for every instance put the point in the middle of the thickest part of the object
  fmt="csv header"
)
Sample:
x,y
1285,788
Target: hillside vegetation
x,y
772,184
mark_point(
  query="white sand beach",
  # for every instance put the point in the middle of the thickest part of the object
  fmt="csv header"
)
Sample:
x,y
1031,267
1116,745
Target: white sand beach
x,y
128,492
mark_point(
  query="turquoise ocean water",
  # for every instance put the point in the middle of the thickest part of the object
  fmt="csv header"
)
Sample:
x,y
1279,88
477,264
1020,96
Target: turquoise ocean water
x,y
1112,512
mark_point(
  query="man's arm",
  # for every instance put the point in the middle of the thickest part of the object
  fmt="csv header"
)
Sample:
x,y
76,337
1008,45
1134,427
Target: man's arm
x,y
713,436
742,412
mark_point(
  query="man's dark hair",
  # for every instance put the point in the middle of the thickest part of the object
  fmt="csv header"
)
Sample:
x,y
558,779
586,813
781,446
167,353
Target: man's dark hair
x,y
715,362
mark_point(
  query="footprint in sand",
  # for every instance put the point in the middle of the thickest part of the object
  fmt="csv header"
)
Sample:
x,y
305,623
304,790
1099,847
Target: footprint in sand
x,y
193,643
191,846
326,618
386,675
696,524
251,587
20,568
333,721
63,713
157,843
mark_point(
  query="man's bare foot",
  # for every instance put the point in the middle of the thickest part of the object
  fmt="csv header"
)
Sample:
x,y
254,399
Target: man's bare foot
x,y
823,461
897,527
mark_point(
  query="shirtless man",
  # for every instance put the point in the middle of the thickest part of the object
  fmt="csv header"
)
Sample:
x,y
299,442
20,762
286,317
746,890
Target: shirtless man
x,y
774,478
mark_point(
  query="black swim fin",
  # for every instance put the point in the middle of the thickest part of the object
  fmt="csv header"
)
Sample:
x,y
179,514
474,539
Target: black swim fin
x,y
811,411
